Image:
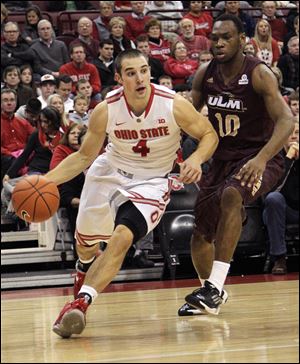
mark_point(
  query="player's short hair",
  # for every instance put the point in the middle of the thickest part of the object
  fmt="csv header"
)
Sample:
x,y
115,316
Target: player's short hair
x,y
235,19
128,53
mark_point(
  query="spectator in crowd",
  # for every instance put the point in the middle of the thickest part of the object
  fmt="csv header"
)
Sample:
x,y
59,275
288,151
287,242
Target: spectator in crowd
x,y
70,191
64,89
117,27
159,47
166,81
50,53
32,17
123,5
179,66
101,23
105,63
80,114
69,5
15,51
156,68
136,21
293,101
17,6
266,47
85,88
249,49
194,43
220,6
202,20
91,46
47,86
294,32
278,26
39,147
57,101
289,64
12,79
26,72
169,27
204,57
285,91
14,130
78,68
234,8
30,112
292,14
281,206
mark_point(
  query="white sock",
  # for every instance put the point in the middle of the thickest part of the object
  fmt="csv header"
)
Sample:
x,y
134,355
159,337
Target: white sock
x,y
201,281
86,261
218,274
90,291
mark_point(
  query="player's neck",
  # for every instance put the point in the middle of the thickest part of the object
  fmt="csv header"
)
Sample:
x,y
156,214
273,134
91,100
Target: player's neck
x,y
138,106
230,70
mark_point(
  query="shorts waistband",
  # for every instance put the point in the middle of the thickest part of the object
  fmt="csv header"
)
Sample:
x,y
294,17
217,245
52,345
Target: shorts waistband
x,y
135,176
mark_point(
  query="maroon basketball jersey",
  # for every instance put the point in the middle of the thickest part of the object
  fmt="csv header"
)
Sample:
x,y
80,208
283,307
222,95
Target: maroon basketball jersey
x,y
236,111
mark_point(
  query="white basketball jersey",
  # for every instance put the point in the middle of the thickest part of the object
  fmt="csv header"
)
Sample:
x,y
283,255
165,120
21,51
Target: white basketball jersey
x,y
145,145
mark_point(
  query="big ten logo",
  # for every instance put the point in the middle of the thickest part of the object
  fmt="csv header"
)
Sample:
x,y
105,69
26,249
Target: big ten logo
x,y
161,121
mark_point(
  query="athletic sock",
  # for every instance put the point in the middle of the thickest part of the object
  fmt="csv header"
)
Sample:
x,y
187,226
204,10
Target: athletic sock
x,y
218,274
88,293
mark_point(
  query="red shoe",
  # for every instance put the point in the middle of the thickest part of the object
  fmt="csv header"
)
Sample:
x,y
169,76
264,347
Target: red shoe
x,y
78,282
71,319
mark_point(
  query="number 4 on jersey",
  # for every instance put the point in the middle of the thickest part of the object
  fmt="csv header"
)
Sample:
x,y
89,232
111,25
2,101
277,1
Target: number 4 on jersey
x,y
141,148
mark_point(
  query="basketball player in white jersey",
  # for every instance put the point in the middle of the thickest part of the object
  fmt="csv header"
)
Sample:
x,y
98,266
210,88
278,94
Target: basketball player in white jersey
x,y
127,188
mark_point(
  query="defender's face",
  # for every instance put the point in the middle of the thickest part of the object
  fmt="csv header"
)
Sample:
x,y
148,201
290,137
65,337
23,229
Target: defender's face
x,y
135,76
226,41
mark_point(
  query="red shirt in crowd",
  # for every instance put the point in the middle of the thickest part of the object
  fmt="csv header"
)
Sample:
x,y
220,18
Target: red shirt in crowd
x,y
88,72
203,23
180,70
14,133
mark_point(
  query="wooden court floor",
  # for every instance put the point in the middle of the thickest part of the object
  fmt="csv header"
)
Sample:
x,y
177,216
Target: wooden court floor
x,y
138,323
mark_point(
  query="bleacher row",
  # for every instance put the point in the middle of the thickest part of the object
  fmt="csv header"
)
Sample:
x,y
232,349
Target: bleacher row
x,y
65,22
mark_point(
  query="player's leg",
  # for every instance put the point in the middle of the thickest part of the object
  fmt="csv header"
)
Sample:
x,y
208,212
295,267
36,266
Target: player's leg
x,y
203,255
209,297
130,226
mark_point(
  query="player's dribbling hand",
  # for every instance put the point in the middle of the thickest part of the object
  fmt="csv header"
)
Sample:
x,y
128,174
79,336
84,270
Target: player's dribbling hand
x,y
189,171
251,172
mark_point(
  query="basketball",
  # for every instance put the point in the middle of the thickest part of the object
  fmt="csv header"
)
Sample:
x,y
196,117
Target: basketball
x,y
35,199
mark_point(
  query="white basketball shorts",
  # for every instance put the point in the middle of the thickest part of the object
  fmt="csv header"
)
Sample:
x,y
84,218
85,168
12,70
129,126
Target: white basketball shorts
x,y
107,188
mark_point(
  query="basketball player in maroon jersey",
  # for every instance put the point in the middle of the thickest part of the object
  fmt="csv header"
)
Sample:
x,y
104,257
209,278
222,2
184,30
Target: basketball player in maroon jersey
x,y
253,123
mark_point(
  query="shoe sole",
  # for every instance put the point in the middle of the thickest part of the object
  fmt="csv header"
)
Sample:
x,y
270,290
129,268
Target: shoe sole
x,y
201,306
73,322
190,312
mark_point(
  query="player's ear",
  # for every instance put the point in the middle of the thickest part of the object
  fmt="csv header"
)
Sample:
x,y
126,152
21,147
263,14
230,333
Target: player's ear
x,y
118,78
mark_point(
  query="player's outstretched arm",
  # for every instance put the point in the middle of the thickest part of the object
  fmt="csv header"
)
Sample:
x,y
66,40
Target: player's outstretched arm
x,y
199,127
89,150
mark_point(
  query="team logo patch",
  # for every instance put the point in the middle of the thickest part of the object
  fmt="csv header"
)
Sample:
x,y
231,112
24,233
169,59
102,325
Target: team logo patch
x,y
243,80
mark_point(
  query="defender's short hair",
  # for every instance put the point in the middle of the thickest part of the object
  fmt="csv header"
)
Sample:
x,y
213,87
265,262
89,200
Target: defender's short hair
x,y
235,19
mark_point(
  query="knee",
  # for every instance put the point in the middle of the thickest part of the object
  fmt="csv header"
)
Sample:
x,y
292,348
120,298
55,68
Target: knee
x,y
231,199
123,237
274,199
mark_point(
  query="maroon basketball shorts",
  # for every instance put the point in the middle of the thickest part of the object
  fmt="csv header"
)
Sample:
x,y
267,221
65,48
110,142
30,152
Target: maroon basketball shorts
x,y
220,176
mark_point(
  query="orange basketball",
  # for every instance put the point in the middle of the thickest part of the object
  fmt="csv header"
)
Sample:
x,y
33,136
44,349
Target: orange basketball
x,y
35,199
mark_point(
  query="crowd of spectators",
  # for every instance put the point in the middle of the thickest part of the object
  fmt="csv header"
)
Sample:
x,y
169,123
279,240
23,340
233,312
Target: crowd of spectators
x,y
72,77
